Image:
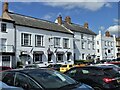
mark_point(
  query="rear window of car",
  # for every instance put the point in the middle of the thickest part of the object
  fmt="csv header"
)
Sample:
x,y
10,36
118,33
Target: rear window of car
x,y
92,72
111,72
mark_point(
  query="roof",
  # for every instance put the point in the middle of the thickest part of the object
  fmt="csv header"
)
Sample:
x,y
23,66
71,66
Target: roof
x,y
77,28
95,67
22,70
37,23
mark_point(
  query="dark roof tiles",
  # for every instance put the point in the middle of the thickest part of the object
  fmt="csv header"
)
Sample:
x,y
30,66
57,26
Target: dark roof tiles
x,y
37,23
77,28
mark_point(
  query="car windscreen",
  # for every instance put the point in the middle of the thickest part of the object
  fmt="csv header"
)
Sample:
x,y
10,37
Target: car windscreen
x,y
51,79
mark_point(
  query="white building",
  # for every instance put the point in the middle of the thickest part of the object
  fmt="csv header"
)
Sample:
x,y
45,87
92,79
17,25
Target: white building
x,y
105,46
7,43
118,47
84,39
37,41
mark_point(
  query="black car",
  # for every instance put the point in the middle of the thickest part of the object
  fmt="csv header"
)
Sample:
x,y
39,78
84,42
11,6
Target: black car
x,y
55,66
41,79
100,78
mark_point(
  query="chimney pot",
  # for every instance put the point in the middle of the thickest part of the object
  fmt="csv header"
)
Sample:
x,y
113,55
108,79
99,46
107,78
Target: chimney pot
x,y
68,19
107,34
86,25
5,7
59,19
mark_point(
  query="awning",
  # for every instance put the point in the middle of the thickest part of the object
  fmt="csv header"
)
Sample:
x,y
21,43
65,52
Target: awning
x,y
60,52
38,52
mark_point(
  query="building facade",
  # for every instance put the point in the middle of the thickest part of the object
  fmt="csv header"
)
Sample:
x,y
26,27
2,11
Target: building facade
x,y
37,41
84,39
7,45
118,47
105,46
31,40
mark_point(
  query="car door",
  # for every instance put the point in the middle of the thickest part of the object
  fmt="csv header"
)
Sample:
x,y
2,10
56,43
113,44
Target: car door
x,y
83,75
23,81
8,78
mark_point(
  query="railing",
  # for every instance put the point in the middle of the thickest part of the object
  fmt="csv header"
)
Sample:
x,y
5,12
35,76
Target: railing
x,y
7,48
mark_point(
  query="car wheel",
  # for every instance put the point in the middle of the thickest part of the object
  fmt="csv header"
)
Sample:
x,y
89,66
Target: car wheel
x,y
97,88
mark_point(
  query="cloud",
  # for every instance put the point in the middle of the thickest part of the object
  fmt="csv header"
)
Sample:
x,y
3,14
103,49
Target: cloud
x,y
85,4
11,11
114,29
61,0
102,28
108,5
116,21
48,16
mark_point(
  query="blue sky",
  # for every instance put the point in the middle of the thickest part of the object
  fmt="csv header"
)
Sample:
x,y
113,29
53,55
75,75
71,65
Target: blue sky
x,y
100,16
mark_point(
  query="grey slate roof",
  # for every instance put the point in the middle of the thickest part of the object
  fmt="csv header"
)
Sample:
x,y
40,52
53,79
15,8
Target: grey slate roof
x,y
37,23
77,28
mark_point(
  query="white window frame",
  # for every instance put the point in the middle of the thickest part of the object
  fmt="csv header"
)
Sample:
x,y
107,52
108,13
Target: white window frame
x,y
89,44
4,44
59,56
65,43
25,41
57,41
39,40
93,45
3,27
83,45
39,56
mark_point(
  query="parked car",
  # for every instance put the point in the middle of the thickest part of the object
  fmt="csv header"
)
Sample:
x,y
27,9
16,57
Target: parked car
x,y
110,65
99,77
54,66
2,68
41,79
116,63
64,68
30,66
4,86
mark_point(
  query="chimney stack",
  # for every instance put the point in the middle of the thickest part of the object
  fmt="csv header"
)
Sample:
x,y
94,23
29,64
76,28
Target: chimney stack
x,y
107,34
59,20
86,25
5,7
68,19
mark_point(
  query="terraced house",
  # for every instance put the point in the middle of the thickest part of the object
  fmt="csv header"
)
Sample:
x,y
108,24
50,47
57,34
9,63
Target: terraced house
x,y
84,39
32,40
35,40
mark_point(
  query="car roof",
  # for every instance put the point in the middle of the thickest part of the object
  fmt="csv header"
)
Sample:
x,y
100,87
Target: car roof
x,y
103,64
26,71
95,67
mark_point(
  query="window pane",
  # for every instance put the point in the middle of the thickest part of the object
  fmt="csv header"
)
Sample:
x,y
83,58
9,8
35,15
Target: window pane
x,y
3,27
25,39
66,43
39,40
9,79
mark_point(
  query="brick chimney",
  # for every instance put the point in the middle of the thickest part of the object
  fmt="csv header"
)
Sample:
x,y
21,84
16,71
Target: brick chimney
x,y
59,20
68,19
86,25
107,34
5,7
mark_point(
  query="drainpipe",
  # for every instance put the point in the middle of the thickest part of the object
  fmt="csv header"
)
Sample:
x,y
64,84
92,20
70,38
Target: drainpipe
x,y
15,43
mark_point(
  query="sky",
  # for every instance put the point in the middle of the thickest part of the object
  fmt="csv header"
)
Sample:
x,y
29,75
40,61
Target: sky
x,y
100,15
